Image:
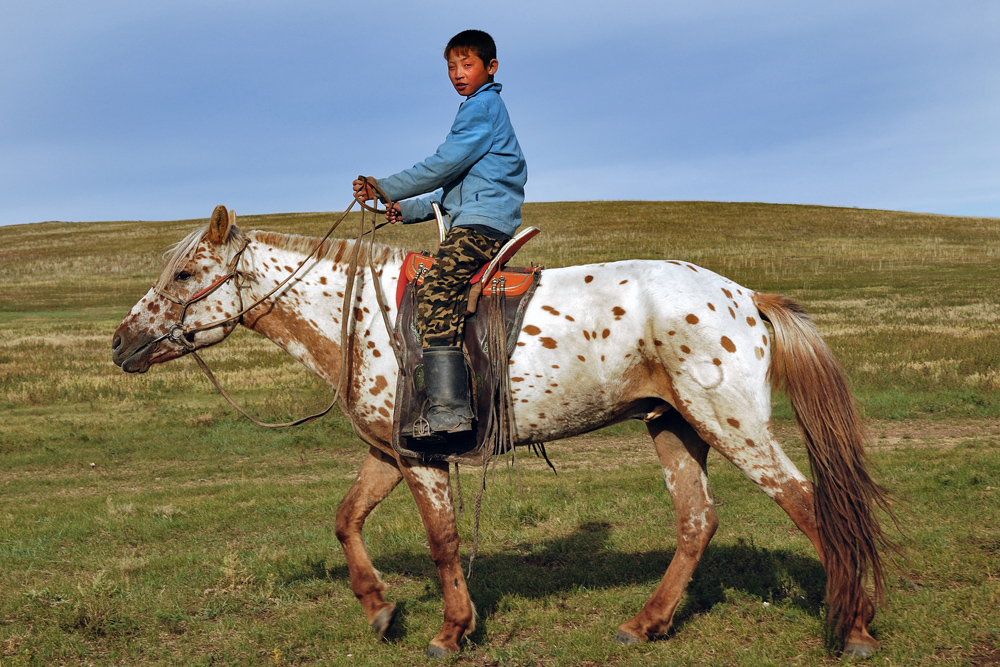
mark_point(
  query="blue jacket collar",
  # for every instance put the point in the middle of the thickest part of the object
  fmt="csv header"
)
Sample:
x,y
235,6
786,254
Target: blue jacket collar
x,y
493,85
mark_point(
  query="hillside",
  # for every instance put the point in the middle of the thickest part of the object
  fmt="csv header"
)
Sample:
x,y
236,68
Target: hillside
x,y
906,300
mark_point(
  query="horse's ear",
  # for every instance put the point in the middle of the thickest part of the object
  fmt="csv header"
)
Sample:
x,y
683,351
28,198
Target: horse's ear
x,y
218,228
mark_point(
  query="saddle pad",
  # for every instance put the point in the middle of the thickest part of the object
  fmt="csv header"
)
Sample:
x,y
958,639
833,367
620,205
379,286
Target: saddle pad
x,y
516,283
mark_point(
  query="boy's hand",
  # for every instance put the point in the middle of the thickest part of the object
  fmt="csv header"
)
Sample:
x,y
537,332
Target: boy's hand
x,y
363,190
393,213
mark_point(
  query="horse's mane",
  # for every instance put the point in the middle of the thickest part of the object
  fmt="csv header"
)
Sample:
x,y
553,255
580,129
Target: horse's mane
x,y
335,250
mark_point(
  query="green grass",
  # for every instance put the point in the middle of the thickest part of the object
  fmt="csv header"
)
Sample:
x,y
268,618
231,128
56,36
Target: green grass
x,y
197,538
228,552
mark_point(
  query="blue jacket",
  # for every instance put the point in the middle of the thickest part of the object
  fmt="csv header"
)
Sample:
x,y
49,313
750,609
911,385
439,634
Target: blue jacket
x,y
479,167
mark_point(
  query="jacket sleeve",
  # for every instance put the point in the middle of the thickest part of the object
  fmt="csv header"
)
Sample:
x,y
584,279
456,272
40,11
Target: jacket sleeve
x,y
419,210
469,140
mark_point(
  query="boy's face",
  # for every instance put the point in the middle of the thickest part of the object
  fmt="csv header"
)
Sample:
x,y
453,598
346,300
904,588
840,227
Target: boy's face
x,y
468,72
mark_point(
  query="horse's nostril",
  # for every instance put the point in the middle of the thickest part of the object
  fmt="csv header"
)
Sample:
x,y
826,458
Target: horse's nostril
x,y
116,342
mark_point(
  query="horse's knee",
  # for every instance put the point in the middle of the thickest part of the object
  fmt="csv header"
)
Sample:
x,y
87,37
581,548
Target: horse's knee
x,y
348,523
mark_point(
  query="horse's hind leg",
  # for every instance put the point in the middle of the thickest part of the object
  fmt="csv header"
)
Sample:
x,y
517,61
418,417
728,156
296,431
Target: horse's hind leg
x,y
378,476
763,461
795,495
682,455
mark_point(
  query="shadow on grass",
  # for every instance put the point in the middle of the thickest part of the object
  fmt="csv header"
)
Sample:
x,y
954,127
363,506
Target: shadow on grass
x,y
583,561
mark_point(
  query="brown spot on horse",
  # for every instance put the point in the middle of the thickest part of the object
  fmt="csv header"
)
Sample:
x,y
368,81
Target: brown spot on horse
x,y
380,384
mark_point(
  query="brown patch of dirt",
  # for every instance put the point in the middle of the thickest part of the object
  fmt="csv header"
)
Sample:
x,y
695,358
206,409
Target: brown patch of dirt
x,y
985,655
910,434
607,452
593,452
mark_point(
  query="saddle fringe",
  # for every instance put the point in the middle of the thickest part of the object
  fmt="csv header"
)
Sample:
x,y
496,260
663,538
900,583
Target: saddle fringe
x,y
501,430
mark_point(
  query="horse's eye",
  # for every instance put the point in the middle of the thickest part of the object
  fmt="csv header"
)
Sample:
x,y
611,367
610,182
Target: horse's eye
x,y
183,275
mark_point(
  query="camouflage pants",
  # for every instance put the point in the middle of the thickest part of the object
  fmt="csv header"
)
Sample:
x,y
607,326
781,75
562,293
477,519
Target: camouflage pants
x,y
444,293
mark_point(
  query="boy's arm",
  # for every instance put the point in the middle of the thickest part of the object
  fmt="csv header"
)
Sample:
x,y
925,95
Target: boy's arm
x,y
470,139
418,210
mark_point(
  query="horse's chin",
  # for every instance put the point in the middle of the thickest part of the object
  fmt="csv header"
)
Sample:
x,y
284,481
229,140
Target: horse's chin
x,y
137,363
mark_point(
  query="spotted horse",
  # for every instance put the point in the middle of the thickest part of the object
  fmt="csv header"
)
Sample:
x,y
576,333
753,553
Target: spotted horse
x,y
668,342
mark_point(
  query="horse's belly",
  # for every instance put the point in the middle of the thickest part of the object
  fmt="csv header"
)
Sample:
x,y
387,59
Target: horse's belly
x,y
553,407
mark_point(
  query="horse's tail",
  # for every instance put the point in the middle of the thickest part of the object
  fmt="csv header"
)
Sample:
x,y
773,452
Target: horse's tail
x,y
845,496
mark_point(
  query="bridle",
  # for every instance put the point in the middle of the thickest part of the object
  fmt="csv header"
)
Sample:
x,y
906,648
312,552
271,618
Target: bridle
x,y
184,335
178,332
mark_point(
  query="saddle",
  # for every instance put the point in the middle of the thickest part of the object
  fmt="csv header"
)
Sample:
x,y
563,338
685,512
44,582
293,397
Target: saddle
x,y
497,299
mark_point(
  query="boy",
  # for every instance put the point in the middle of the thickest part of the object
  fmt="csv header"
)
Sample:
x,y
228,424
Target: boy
x,y
482,174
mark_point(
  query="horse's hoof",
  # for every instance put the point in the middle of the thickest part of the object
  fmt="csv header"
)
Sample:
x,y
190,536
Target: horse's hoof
x,y
438,652
626,638
858,651
384,619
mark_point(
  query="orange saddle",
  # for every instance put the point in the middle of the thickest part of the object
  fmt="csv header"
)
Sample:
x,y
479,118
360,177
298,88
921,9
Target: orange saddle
x,y
416,264
515,282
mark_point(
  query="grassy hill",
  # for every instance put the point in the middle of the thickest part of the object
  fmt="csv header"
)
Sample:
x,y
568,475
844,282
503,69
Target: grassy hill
x,y
906,300
197,538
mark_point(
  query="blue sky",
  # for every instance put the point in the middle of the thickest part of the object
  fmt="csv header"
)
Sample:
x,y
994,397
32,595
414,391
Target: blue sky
x,y
124,110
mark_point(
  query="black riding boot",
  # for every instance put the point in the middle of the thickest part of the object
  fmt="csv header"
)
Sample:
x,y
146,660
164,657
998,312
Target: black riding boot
x,y
448,398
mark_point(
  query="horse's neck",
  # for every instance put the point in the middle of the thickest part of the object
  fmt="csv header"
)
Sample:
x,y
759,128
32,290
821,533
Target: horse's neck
x,y
305,316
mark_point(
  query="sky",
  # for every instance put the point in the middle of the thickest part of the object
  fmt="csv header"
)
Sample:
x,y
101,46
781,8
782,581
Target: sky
x,y
160,110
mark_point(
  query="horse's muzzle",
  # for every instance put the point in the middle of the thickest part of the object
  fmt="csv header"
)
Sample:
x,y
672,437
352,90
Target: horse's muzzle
x,y
133,356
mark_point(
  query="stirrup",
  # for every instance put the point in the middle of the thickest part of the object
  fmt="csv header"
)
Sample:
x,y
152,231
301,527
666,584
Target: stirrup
x,y
421,428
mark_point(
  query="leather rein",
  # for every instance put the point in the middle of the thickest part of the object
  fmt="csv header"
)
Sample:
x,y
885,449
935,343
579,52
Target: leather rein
x,y
183,334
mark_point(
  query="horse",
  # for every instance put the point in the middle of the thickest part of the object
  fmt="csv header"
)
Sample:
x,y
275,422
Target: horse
x,y
669,342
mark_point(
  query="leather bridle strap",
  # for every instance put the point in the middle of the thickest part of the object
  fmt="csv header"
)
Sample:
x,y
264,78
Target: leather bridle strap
x,y
346,316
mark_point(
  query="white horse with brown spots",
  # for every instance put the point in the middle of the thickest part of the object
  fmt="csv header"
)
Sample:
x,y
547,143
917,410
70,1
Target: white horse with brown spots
x,y
665,341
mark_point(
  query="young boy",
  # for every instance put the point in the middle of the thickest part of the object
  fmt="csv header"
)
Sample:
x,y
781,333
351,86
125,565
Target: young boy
x,y
481,173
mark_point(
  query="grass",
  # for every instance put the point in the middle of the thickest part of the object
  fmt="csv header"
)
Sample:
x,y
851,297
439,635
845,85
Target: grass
x,y
197,538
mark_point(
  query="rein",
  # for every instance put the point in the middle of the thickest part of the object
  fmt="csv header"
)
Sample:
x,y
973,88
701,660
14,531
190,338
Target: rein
x,y
183,334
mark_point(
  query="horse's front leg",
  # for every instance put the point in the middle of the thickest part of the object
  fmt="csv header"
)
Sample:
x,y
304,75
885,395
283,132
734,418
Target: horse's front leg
x,y
378,476
431,490
682,455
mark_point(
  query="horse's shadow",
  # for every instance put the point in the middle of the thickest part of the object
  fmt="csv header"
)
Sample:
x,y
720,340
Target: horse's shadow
x,y
583,560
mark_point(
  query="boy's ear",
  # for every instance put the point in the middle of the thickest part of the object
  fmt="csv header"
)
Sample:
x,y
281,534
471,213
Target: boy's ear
x,y
218,228
492,67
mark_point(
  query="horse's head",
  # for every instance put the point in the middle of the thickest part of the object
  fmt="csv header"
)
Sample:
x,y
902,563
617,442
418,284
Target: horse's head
x,y
193,304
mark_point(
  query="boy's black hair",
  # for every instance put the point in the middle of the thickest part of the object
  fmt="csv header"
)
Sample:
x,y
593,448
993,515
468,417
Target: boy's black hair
x,y
475,41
